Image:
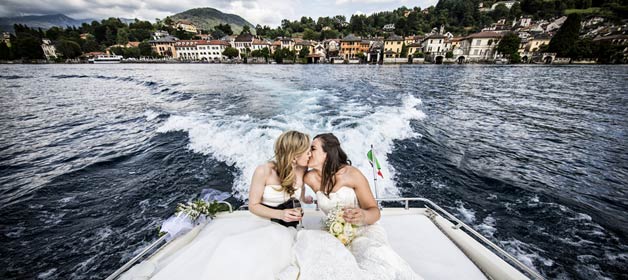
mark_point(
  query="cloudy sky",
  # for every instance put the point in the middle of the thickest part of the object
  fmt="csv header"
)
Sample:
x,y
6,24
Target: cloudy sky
x,y
265,12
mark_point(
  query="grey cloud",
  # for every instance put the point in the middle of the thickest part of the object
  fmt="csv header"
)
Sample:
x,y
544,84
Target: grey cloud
x,y
268,12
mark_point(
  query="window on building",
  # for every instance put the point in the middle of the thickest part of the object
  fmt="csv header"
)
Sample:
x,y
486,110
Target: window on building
x,y
475,52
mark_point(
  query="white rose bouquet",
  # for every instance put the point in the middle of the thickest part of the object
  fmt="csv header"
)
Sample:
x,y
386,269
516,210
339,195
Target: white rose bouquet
x,y
339,228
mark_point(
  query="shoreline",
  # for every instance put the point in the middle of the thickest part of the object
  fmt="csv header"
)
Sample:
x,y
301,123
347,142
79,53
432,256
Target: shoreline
x,y
237,63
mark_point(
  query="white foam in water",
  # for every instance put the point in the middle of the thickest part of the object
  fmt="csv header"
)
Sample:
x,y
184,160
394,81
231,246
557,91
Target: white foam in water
x,y
46,274
468,215
246,142
151,115
487,227
526,253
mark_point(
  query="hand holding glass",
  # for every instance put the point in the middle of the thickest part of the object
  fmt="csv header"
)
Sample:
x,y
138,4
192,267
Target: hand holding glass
x,y
296,204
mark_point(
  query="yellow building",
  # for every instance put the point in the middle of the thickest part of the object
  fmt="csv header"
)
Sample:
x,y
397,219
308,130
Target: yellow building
x,y
186,25
415,48
164,46
534,44
392,46
304,44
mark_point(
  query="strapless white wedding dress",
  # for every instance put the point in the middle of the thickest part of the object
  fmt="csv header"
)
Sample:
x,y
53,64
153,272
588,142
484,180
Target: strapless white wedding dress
x,y
257,249
319,255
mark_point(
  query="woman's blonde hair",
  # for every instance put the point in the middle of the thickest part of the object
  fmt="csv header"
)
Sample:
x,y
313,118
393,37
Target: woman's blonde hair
x,y
288,146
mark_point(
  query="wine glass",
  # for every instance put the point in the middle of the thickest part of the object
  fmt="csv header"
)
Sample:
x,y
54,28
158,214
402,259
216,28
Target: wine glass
x,y
296,204
352,204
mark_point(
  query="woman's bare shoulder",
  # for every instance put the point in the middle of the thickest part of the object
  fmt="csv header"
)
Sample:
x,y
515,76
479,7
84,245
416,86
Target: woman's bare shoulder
x,y
265,168
354,174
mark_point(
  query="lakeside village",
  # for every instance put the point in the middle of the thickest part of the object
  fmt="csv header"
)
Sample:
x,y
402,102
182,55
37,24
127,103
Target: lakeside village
x,y
517,40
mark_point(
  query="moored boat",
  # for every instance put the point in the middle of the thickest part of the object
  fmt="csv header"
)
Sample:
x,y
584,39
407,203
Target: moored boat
x,y
106,59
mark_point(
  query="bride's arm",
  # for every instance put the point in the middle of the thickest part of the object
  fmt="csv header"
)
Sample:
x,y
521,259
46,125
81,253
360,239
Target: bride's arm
x,y
255,198
368,213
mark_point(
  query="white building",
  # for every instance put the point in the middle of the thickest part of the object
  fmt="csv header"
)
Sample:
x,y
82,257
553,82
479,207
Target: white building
x,y
555,25
480,46
320,49
332,45
244,43
260,45
49,49
525,21
160,34
436,45
186,50
287,43
508,4
211,50
186,25
6,38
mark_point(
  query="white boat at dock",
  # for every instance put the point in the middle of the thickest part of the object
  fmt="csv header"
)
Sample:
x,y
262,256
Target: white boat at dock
x,y
436,244
106,59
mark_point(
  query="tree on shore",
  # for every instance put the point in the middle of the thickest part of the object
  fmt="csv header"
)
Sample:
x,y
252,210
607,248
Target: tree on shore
x,y
404,50
303,53
145,49
282,54
230,52
90,45
28,47
361,56
565,39
5,52
509,47
68,49
265,53
122,37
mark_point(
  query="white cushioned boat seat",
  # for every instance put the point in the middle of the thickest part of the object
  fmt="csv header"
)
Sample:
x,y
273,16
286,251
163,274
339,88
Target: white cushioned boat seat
x,y
428,251
418,241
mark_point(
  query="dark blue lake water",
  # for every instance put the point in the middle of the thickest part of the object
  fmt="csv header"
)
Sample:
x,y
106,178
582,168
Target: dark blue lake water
x,y
94,157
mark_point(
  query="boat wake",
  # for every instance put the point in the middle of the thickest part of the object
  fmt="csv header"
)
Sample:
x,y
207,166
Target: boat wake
x,y
245,141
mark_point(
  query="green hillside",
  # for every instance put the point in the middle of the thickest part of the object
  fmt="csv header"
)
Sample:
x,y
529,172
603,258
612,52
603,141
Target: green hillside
x,y
207,18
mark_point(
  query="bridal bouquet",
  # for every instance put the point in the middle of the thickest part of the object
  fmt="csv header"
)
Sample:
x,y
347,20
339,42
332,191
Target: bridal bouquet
x,y
200,207
338,227
188,215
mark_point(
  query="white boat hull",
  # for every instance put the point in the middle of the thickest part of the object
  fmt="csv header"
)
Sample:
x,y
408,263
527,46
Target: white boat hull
x,y
106,62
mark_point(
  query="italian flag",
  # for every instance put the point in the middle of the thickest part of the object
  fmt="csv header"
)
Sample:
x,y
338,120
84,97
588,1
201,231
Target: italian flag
x,y
372,159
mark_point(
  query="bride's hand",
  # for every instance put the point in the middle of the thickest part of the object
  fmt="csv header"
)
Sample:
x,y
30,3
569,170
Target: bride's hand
x,y
308,199
290,215
354,216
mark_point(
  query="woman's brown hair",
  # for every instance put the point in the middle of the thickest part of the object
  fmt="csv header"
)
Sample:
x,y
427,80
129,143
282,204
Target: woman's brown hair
x,y
336,159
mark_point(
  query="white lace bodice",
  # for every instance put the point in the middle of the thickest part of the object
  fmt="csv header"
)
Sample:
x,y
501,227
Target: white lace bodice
x,y
344,196
273,196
